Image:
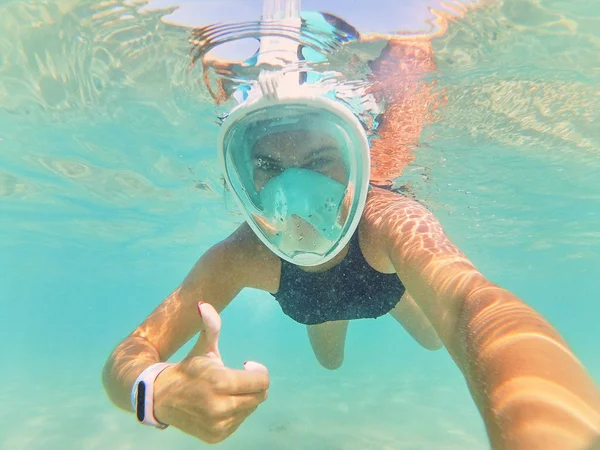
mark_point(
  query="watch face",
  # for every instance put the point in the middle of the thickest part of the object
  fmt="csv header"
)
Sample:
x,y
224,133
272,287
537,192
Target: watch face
x,y
141,401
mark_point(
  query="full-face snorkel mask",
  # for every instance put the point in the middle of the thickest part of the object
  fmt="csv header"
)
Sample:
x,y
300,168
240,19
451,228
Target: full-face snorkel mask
x,y
304,213
303,199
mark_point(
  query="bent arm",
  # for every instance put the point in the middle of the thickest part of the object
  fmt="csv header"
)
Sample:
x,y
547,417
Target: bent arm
x,y
531,390
216,279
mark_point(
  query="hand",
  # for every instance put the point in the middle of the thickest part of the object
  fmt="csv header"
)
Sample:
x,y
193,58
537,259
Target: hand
x,y
202,397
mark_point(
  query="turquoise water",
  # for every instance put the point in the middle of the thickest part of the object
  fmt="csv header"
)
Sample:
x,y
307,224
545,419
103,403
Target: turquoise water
x,y
110,191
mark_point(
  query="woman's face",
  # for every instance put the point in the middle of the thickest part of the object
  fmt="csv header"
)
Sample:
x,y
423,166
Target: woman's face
x,y
304,149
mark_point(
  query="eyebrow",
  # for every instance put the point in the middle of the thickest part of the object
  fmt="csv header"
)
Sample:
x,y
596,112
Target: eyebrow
x,y
323,149
319,151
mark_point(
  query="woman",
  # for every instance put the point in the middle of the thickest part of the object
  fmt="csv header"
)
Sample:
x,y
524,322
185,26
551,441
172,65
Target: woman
x,y
331,247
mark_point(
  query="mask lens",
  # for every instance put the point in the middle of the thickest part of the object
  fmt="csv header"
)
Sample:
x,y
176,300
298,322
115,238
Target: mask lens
x,y
291,167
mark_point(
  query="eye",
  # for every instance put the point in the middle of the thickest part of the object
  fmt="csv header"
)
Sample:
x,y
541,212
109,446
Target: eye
x,y
321,162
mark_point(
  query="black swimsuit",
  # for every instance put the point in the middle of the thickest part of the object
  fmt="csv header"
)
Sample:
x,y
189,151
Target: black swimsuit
x,y
350,290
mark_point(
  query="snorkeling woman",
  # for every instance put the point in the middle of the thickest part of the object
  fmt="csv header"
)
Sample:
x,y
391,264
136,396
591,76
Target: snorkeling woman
x,y
331,247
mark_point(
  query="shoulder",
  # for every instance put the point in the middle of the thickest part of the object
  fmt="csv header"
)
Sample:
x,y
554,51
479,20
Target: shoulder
x,y
244,254
237,262
384,207
385,217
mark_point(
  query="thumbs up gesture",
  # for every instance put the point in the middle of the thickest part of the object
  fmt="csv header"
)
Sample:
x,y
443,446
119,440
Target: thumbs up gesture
x,y
201,396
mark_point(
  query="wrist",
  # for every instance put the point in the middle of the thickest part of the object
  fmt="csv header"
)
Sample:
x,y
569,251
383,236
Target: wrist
x,y
162,384
143,394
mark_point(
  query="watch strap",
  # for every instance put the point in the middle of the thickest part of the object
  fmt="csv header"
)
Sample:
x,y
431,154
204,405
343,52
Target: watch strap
x,y
142,395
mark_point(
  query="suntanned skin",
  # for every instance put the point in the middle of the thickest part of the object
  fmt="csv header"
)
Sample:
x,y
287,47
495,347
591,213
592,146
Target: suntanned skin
x,y
531,390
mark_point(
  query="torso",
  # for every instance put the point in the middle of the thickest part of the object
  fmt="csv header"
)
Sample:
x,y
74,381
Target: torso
x,y
360,283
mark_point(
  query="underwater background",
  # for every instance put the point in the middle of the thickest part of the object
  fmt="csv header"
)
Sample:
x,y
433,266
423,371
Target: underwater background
x,y
110,191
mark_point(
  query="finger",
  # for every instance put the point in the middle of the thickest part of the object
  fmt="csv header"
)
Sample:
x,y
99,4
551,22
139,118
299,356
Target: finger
x,y
247,403
208,342
228,426
248,381
239,406
255,367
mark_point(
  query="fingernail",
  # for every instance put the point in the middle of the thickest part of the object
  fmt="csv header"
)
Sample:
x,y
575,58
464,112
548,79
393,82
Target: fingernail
x,y
199,309
245,362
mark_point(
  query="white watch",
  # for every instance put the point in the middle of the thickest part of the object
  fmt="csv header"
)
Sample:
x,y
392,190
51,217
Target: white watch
x,y
142,395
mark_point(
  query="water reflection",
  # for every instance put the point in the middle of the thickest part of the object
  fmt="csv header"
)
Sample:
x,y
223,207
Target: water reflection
x,y
515,74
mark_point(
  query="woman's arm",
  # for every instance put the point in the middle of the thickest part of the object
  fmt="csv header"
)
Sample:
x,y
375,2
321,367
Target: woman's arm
x,y
531,390
217,278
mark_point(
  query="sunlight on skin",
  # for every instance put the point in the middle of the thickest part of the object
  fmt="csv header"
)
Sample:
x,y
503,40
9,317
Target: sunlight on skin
x,y
176,312
428,249
136,353
530,388
213,382
175,321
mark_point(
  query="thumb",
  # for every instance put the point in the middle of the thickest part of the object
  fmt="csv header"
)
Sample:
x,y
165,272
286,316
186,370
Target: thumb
x,y
253,366
208,342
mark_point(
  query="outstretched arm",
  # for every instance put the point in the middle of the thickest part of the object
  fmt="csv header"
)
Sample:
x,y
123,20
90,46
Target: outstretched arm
x,y
531,390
